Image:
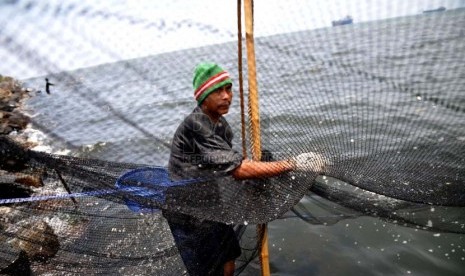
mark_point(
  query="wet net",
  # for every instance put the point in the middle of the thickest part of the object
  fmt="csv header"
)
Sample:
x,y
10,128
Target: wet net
x,y
83,175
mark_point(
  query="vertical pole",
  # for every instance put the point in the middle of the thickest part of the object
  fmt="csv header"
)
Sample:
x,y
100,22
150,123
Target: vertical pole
x,y
241,79
255,122
252,78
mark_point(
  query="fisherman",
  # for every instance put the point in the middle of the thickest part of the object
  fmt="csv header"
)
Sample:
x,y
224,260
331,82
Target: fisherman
x,y
47,85
202,145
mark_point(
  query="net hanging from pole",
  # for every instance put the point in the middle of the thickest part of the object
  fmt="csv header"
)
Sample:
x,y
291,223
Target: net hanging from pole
x,y
382,100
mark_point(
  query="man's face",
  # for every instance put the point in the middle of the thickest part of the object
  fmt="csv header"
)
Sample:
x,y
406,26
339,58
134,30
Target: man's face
x,y
218,102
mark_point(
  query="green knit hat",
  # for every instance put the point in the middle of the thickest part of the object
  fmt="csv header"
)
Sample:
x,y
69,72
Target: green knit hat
x,y
207,78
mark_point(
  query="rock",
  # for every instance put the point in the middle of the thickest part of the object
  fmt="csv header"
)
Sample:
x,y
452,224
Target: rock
x,y
14,120
18,120
4,211
10,84
13,156
29,180
5,96
38,241
11,190
9,107
11,96
23,142
13,261
9,217
5,129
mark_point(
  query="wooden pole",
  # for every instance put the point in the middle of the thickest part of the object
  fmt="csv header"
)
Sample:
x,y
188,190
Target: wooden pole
x,y
254,116
252,79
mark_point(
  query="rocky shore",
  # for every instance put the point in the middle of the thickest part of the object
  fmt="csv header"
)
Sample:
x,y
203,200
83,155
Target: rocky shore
x,y
13,122
12,95
23,240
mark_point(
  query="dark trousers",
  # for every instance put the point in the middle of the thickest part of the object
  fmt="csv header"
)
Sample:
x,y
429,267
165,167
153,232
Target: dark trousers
x,y
205,246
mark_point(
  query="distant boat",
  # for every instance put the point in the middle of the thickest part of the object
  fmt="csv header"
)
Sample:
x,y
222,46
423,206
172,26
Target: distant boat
x,y
344,21
440,9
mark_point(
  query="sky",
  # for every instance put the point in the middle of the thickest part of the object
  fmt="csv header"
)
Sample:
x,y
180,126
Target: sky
x,y
55,35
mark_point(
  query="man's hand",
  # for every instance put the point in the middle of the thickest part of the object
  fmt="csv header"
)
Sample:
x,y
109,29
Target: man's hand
x,y
309,162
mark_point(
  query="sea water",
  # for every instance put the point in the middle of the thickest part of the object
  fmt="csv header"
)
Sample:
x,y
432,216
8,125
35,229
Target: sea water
x,y
128,112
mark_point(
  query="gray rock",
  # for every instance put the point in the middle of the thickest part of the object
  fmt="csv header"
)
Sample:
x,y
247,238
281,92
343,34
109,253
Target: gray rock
x,y
37,240
14,261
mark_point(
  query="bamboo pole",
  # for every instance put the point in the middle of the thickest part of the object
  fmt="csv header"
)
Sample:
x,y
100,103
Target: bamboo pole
x,y
252,79
254,116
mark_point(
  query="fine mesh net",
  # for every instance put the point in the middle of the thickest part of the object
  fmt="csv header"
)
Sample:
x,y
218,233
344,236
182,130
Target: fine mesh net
x,y
382,100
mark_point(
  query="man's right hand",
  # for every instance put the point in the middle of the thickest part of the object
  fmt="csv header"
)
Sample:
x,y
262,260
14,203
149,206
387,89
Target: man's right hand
x,y
309,162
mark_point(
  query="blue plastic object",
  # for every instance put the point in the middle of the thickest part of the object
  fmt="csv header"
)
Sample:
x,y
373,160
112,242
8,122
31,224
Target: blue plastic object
x,y
149,182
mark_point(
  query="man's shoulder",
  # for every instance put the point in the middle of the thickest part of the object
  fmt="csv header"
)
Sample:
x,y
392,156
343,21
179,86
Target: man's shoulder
x,y
193,122
196,118
224,122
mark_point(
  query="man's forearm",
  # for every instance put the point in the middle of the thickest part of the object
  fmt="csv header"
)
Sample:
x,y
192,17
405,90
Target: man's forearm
x,y
254,169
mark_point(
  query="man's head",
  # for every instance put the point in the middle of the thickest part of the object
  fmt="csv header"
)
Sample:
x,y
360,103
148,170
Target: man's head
x,y
207,78
212,88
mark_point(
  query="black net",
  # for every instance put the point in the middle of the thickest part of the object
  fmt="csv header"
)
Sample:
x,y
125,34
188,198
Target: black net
x,y
382,100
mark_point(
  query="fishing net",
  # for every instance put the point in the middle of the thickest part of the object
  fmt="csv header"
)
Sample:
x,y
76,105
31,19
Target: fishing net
x,y
382,100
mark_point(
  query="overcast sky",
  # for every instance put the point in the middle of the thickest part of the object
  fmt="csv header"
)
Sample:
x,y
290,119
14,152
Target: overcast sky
x,y
66,35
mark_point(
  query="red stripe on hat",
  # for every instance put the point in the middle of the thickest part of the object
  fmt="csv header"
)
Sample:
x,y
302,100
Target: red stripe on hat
x,y
210,82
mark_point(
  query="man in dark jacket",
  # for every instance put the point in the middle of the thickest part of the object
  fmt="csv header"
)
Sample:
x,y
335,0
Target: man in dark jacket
x,y
202,145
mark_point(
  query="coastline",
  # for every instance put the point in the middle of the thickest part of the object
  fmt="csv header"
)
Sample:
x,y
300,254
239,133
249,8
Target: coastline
x,y
13,121
24,239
